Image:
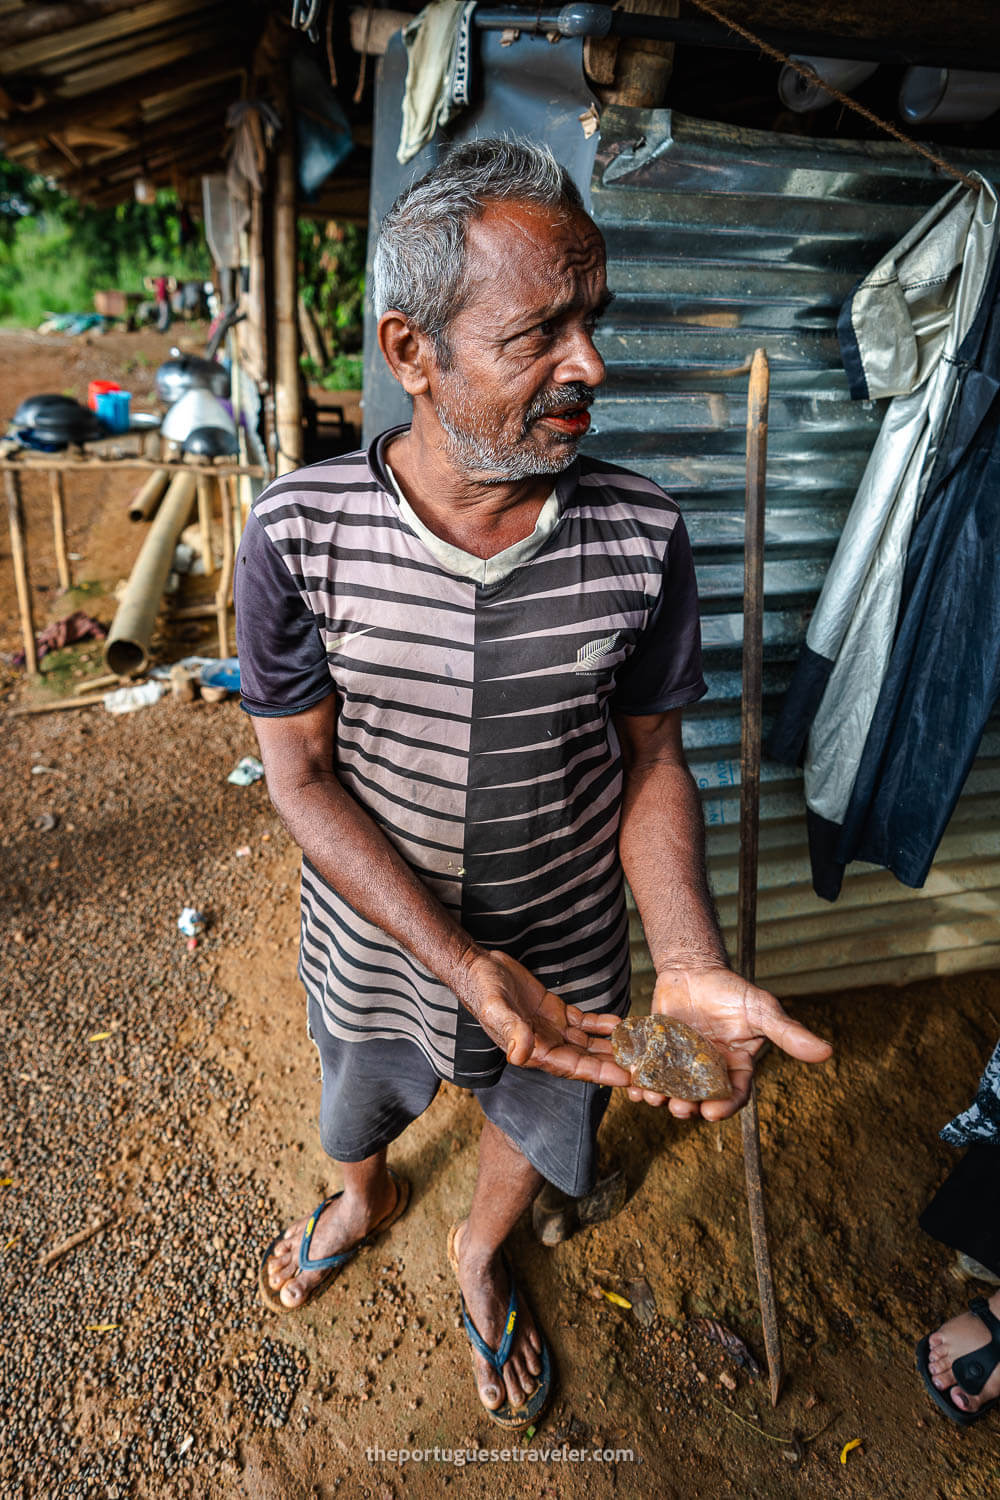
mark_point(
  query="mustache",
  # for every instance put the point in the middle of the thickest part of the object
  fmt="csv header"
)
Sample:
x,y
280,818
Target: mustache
x,y
576,394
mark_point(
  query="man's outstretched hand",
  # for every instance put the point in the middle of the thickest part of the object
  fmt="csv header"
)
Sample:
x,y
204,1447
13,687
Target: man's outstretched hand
x,y
736,1017
535,1028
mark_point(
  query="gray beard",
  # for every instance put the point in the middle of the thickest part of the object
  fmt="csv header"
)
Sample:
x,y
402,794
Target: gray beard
x,y
493,461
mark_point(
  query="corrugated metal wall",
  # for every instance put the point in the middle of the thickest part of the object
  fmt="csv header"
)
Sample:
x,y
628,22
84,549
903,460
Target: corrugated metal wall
x,y
721,240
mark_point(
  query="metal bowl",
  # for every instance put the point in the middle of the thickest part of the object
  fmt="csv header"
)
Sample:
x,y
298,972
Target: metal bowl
x,y
189,372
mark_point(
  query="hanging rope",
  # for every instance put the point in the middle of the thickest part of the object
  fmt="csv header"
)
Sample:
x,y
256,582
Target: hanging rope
x,y
812,76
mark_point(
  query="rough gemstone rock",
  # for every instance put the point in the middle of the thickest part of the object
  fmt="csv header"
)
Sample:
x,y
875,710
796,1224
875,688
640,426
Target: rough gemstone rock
x,y
670,1057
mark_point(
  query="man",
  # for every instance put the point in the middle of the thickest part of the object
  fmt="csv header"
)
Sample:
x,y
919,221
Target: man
x,y
467,652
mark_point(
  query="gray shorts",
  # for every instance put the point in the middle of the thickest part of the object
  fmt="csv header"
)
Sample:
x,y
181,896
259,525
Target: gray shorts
x,y
373,1089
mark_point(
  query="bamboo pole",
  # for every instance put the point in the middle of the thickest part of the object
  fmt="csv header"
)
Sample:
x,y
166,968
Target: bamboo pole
x,y
22,583
205,522
310,334
148,496
91,684
226,575
126,650
203,611
59,530
60,705
287,397
64,465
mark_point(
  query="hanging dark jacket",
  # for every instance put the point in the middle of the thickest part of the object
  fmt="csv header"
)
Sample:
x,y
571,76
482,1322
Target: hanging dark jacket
x,y
943,677
901,332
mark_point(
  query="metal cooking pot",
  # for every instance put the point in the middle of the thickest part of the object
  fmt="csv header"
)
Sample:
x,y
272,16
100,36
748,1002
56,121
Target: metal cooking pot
x,y
32,407
198,408
188,372
211,442
59,420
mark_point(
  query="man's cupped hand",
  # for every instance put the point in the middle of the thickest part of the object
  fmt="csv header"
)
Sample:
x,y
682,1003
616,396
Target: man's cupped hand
x,y
535,1028
736,1017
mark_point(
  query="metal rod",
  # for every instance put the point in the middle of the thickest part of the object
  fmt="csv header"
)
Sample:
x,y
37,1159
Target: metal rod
x,y
22,583
746,931
584,19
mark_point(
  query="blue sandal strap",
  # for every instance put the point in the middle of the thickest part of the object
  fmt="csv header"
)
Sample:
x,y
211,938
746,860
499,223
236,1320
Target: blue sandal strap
x,y
499,1356
329,1262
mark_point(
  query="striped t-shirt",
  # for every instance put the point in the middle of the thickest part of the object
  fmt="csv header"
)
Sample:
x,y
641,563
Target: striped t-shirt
x,y
473,724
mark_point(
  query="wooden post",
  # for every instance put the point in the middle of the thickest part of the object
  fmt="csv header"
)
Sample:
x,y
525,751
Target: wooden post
x,y
59,529
746,933
632,71
226,576
205,488
287,397
19,557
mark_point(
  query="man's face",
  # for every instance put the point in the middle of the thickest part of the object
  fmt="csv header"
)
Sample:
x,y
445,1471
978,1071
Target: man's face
x,y
521,367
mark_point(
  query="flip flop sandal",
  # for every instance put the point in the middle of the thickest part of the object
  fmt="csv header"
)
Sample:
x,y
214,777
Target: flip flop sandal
x,y
511,1417
971,1370
332,1264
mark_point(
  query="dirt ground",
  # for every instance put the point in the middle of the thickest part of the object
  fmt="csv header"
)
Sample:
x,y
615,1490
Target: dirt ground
x,y
170,1097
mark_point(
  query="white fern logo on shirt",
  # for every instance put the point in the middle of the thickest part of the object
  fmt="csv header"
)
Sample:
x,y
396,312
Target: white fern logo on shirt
x,y
592,656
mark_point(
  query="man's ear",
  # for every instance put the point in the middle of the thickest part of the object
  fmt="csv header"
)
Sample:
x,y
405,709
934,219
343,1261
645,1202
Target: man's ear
x,y
406,350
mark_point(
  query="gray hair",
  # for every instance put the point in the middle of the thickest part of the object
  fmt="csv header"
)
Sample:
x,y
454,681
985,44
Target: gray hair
x,y
419,262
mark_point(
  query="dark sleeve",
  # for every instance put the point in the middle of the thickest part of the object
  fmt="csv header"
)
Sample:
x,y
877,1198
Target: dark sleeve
x,y
283,662
664,670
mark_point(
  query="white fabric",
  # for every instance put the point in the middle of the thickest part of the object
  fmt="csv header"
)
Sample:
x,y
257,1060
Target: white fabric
x,y
437,72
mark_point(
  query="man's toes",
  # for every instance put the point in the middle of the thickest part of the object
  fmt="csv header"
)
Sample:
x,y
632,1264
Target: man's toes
x,y
491,1391
291,1293
962,1400
278,1268
521,1383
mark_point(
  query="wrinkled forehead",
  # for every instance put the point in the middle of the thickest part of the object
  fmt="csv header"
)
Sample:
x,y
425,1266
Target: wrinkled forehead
x,y
533,248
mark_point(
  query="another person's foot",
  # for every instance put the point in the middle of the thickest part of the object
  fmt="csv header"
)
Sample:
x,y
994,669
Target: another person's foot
x,y
343,1224
486,1290
962,1335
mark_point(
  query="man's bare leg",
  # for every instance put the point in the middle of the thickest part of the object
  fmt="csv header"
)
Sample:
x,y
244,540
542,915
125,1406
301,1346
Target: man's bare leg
x,y
369,1195
506,1186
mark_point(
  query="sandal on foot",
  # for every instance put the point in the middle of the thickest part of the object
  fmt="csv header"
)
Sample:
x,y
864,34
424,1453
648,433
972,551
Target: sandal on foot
x,y
971,1371
331,1264
506,1415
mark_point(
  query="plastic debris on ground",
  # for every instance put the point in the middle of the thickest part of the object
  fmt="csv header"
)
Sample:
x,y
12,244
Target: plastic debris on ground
x,y
127,699
225,673
191,922
734,1346
246,771
193,664
640,1294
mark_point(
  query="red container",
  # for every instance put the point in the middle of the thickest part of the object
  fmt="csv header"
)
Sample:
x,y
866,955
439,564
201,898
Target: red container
x,y
97,388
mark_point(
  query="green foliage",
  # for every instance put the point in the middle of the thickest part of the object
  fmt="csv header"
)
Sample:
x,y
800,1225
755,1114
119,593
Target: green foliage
x,y
332,282
55,252
342,373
